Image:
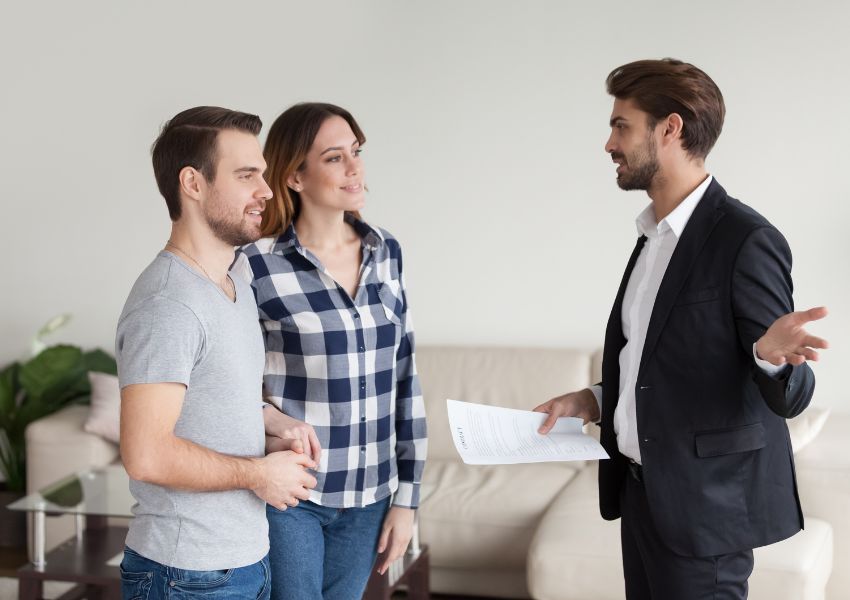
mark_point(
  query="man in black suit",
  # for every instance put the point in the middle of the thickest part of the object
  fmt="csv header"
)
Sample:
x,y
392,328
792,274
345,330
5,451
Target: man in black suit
x,y
704,358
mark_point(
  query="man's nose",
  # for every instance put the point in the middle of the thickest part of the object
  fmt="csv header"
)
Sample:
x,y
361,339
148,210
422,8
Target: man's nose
x,y
609,144
264,190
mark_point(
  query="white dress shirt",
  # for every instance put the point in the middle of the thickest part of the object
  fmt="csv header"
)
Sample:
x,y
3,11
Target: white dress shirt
x,y
638,302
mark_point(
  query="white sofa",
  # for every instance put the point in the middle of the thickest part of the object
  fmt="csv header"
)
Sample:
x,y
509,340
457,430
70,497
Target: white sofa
x,y
534,531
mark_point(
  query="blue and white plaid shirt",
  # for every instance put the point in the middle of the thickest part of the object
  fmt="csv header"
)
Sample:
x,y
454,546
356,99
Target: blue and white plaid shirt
x,y
345,367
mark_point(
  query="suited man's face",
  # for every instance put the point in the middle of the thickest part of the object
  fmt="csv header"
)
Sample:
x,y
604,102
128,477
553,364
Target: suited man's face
x,y
632,146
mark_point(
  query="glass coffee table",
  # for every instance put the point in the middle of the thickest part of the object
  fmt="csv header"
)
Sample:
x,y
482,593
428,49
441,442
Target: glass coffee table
x,y
89,559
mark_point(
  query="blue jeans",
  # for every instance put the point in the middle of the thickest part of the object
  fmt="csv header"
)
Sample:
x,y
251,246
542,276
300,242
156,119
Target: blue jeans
x,y
323,553
144,579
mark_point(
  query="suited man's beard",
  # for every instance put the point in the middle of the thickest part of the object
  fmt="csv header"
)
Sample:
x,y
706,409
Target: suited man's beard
x,y
642,167
640,178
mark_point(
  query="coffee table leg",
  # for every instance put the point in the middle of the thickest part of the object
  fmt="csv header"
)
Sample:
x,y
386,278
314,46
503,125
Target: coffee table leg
x,y
377,588
30,589
418,580
38,539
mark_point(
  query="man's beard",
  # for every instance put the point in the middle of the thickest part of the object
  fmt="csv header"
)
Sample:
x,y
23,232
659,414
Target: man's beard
x,y
229,230
642,167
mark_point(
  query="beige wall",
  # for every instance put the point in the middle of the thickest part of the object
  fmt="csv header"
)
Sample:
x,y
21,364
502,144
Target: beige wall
x,y
486,122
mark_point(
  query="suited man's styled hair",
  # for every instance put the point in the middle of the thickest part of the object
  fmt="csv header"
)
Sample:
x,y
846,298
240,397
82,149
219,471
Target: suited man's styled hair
x,y
663,87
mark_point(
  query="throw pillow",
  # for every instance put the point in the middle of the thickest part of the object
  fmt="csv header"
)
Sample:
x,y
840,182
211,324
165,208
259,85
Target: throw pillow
x,y
105,408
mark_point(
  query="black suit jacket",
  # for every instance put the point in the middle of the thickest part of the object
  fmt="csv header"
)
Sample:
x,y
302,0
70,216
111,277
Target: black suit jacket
x,y
717,463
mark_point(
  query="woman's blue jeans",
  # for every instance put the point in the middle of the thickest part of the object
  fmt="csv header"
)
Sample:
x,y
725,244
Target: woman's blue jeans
x,y
145,579
323,553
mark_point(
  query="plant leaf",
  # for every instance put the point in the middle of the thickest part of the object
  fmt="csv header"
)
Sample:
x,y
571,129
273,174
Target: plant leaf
x,y
49,368
99,361
8,389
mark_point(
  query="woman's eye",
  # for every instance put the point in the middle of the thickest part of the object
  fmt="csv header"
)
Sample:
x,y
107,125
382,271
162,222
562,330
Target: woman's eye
x,y
358,151
334,159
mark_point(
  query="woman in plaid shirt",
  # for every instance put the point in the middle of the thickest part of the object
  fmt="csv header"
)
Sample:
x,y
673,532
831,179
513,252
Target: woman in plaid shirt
x,y
340,376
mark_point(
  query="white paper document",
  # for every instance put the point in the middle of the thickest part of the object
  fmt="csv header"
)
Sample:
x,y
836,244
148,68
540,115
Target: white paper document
x,y
491,435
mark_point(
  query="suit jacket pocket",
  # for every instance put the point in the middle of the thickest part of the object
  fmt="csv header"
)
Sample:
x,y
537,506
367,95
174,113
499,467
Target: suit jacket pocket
x,y
697,296
730,441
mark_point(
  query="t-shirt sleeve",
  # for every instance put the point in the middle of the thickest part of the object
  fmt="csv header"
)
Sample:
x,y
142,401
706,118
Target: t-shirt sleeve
x,y
159,341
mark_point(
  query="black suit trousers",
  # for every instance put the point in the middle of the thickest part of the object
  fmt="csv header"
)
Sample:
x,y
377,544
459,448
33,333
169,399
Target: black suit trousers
x,y
654,572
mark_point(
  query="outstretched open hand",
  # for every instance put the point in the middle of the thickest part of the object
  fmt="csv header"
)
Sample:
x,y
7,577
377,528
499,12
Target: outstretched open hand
x,y
786,342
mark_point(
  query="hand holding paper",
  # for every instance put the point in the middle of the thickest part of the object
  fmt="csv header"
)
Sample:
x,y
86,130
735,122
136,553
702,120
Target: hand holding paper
x,y
490,435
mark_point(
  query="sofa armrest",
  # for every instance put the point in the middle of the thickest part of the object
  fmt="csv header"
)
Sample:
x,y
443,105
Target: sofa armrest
x,y
823,478
57,445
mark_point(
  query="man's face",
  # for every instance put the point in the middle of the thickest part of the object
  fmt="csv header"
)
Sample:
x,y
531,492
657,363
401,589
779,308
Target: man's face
x,y
632,146
237,197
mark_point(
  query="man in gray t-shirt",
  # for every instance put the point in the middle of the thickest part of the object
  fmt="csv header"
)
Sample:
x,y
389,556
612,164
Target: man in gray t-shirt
x,y
190,364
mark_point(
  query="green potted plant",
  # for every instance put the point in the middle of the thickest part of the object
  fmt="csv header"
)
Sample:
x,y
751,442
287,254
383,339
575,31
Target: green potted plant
x,y
49,380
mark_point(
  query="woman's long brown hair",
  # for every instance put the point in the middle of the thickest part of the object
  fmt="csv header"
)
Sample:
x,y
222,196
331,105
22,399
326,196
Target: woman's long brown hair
x,y
290,138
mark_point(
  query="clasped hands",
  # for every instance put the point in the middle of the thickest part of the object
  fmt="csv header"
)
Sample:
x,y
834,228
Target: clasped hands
x,y
299,441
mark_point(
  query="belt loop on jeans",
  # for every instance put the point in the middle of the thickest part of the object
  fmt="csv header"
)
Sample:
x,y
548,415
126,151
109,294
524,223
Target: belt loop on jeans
x,y
636,471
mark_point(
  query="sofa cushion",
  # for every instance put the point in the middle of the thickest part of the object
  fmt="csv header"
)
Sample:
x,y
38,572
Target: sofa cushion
x,y
485,516
510,377
575,555
794,569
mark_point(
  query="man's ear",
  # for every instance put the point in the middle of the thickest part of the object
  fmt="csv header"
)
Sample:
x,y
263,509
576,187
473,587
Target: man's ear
x,y
673,128
191,182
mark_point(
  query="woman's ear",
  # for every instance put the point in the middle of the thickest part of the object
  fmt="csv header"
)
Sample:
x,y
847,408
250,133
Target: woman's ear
x,y
293,182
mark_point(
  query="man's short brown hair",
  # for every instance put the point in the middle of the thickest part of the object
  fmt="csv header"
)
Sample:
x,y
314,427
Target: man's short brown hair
x,y
663,87
190,140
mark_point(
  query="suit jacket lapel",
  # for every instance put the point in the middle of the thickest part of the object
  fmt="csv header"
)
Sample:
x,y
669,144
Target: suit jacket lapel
x,y
615,321
614,338
694,236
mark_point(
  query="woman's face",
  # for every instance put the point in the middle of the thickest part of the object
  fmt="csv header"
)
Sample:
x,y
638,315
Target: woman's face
x,y
332,177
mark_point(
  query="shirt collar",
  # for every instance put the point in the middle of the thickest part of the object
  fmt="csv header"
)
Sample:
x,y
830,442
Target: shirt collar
x,y
370,236
677,219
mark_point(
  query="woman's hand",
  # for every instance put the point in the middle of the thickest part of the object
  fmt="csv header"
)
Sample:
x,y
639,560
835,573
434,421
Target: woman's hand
x,y
395,536
292,434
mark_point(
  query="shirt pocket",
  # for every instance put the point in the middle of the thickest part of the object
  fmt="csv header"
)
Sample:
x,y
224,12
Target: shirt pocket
x,y
390,295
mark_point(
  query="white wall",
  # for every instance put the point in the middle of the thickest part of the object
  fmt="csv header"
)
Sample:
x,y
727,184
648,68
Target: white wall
x,y
486,123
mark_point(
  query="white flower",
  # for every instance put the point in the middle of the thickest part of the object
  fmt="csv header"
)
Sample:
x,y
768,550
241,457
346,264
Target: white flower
x,y
37,345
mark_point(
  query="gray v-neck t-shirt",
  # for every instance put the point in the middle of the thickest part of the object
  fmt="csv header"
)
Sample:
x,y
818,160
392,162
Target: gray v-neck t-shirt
x,y
178,326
